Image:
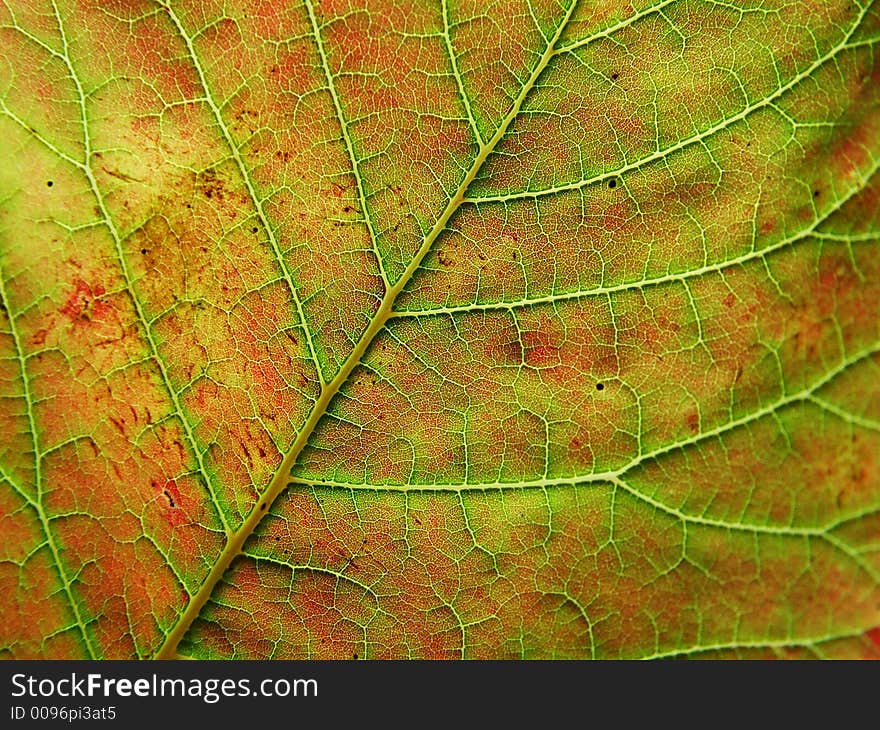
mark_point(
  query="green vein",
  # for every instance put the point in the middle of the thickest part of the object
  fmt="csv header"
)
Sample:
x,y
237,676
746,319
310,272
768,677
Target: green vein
x,y
459,80
791,643
613,29
799,532
349,144
697,138
85,166
804,395
37,503
799,396
683,276
248,183
282,478
846,416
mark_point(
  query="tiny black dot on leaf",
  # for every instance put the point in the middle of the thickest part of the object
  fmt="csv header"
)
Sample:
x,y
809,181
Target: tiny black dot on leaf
x,y
600,386
263,506
612,183
355,656
615,76
143,251
254,229
49,183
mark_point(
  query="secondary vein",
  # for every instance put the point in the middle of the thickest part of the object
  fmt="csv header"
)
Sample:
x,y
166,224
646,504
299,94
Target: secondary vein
x,y
279,483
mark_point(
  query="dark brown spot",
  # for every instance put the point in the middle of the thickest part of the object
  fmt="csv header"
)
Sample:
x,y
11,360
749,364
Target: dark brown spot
x,y
211,185
444,258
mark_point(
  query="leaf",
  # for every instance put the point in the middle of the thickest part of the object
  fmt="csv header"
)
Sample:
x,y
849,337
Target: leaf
x,y
536,328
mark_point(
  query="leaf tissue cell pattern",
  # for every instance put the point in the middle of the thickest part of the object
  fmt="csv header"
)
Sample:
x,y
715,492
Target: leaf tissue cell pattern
x,y
439,328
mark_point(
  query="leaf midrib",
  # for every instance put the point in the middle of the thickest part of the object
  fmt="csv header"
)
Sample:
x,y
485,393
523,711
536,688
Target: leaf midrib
x,y
281,480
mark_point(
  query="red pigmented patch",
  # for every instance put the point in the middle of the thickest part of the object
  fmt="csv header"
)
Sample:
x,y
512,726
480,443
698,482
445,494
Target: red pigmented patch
x,y
154,52
851,154
617,216
581,450
502,343
874,636
539,350
337,190
171,494
85,302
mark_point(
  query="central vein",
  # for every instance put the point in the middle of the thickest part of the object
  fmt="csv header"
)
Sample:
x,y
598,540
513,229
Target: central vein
x,y
279,483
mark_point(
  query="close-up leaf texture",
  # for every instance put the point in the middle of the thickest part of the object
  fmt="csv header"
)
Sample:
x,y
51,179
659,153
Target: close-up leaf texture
x,y
439,329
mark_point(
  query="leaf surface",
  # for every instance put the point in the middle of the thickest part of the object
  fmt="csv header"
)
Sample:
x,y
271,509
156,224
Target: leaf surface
x,y
528,328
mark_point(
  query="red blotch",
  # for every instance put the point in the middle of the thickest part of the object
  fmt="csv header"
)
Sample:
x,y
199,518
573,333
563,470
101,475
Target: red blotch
x,y
874,636
154,53
539,349
503,346
174,513
851,154
85,303
617,216
581,450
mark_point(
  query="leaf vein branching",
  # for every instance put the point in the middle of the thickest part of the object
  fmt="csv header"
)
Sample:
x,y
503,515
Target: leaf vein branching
x,y
459,79
852,418
739,526
349,144
282,477
338,574
785,400
538,483
683,276
698,138
616,476
129,279
616,27
248,183
36,503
